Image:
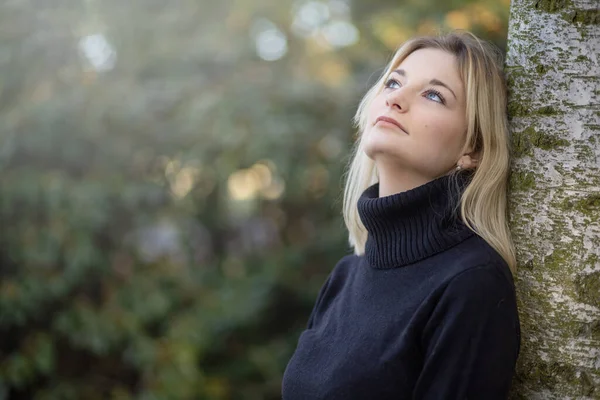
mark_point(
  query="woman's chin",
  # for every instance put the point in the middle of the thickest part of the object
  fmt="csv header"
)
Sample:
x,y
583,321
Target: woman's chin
x,y
382,141
382,155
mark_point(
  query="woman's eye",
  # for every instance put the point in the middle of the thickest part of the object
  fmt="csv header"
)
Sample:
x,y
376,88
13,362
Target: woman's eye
x,y
437,94
394,84
391,82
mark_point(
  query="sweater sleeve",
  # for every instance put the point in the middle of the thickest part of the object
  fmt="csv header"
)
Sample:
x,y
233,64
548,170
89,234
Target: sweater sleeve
x,y
323,295
471,340
318,301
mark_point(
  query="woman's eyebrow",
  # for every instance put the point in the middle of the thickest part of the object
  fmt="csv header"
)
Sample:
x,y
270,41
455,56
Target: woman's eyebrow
x,y
434,81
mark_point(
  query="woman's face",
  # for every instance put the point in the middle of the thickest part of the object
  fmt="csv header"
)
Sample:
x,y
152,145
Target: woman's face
x,y
425,96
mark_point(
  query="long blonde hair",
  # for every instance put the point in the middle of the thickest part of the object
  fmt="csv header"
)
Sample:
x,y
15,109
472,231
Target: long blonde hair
x,y
483,203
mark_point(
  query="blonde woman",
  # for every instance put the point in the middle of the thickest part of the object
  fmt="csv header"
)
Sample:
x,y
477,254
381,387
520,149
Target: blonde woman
x,y
425,308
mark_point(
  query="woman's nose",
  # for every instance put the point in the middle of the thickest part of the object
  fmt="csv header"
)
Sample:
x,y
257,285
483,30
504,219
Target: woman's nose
x,y
397,100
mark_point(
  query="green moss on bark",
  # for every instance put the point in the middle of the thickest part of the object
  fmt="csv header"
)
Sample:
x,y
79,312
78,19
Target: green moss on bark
x,y
587,287
516,109
585,17
521,181
552,5
541,69
590,206
551,373
547,110
565,8
558,259
584,152
520,144
588,388
515,78
589,330
582,58
540,139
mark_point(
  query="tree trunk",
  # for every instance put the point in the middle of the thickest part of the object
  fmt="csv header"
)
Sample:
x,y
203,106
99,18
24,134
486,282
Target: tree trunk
x,y
554,108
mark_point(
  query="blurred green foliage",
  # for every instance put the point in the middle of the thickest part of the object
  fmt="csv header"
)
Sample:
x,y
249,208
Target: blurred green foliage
x,y
171,201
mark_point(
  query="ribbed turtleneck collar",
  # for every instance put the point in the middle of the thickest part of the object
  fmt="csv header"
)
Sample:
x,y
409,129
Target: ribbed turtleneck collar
x,y
409,226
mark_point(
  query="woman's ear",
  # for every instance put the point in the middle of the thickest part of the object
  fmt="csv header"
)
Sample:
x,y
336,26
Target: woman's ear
x,y
468,161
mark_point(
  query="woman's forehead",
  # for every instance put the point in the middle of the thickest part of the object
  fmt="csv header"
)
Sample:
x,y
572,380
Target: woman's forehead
x,y
431,65
428,61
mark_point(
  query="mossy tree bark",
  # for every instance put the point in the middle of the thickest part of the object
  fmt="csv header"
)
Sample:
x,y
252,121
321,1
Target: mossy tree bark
x,y
554,102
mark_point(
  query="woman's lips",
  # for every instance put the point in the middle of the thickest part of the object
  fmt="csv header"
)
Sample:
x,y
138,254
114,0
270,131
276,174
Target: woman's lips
x,y
392,121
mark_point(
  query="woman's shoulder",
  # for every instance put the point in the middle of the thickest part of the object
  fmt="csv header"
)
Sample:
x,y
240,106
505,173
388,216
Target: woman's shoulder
x,y
338,276
346,264
478,258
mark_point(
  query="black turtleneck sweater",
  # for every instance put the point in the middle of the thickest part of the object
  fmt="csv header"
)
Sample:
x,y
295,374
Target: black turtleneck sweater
x,y
428,312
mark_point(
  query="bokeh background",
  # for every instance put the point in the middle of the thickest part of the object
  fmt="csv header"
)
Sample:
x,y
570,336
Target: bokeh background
x,y
171,180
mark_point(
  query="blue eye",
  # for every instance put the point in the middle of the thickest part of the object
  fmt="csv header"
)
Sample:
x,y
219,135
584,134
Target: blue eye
x,y
393,82
436,93
390,82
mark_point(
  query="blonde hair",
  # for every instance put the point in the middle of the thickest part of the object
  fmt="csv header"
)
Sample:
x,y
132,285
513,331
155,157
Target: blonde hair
x,y
483,203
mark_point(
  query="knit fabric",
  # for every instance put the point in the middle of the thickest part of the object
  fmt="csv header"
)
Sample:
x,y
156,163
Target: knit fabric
x,y
428,312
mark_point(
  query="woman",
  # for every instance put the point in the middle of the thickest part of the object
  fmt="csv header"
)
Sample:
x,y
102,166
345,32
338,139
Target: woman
x,y
425,307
